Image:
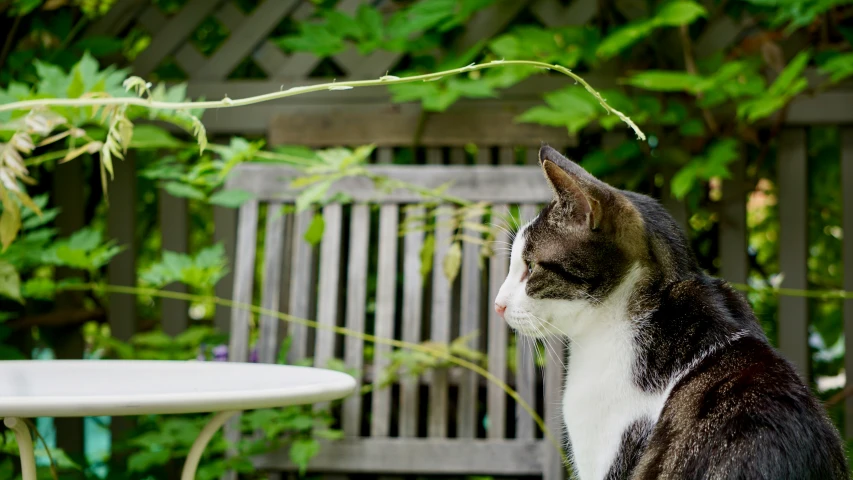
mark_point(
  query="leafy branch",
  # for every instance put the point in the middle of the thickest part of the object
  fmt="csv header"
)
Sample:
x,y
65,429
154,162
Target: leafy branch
x,y
134,82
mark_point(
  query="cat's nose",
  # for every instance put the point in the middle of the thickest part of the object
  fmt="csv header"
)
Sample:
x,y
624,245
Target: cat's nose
x,y
500,309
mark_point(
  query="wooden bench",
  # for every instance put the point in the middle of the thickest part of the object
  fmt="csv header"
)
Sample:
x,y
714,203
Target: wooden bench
x,y
449,422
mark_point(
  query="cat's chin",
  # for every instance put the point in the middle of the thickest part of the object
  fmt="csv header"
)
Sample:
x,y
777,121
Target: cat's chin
x,y
530,328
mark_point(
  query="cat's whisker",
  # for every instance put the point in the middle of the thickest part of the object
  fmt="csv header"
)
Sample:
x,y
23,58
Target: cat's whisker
x,y
545,338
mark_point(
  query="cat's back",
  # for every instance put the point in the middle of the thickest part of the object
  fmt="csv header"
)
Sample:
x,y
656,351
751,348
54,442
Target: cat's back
x,y
741,411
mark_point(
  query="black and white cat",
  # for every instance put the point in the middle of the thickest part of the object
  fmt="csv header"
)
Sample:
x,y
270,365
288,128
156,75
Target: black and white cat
x,y
670,375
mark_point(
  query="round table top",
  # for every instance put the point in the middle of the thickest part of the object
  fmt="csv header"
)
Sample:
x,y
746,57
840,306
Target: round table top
x,y
77,388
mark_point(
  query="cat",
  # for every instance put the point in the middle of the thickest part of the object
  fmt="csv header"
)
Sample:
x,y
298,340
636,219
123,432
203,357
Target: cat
x,y
670,375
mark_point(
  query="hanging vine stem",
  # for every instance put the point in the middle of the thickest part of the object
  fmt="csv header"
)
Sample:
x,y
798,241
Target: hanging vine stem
x,y
141,86
136,291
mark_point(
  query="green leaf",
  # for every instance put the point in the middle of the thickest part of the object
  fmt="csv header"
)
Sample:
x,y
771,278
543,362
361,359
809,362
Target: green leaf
x,y
683,180
713,164
681,12
184,190
315,230
230,198
692,128
99,45
20,8
151,136
787,82
427,251
316,38
312,195
452,261
302,450
10,282
666,81
144,460
838,67
623,38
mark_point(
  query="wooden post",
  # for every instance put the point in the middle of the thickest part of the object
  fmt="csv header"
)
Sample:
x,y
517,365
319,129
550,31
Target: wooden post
x,y
734,264
68,195
847,225
793,244
175,238
225,231
121,226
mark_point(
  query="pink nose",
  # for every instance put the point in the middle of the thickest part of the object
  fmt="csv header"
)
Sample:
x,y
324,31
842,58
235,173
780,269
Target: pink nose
x,y
500,309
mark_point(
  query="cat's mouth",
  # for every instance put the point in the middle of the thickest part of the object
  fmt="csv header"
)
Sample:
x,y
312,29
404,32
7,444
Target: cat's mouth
x,y
528,326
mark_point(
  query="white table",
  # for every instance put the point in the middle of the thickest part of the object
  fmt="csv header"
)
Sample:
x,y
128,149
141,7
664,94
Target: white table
x,y
81,388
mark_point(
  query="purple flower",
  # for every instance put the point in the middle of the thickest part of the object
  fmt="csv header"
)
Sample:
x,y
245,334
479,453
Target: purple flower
x,y
220,353
253,355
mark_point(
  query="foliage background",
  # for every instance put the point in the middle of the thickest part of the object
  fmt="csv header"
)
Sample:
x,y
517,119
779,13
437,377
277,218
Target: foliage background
x,y
701,113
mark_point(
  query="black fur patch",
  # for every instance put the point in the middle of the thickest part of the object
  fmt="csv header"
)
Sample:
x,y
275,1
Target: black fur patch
x,y
631,449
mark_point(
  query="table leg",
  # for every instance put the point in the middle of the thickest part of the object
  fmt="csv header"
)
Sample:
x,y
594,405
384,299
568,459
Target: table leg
x,y
215,423
25,446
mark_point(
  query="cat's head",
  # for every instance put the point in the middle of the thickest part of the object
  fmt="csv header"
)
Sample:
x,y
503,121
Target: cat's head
x,y
586,253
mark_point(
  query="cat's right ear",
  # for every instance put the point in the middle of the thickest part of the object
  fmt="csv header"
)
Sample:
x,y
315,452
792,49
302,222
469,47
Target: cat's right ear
x,y
570,167
569,194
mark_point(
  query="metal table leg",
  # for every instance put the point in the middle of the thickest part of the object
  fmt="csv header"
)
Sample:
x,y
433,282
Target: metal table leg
x,y
25,446
191,465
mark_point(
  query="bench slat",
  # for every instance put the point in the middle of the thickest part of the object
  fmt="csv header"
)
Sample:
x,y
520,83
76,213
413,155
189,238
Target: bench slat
x,y
386,290
270,300
525,362
301,286
440,323
470,298
244,276
356,295
498,339
327,294
412,314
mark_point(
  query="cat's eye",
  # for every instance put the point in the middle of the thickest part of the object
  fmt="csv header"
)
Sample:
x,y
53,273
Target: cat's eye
x,y
530,267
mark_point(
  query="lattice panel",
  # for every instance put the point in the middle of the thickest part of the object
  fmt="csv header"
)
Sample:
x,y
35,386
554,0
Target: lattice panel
x,y
248,38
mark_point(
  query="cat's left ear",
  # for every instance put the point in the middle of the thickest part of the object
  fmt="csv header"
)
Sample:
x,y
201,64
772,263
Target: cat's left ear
x,y
579,200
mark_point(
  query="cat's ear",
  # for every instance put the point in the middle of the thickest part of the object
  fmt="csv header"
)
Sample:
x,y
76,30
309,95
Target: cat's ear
x,y
572,168
581,204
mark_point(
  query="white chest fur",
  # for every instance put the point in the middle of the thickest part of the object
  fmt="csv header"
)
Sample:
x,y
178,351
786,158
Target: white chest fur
x,y
600,400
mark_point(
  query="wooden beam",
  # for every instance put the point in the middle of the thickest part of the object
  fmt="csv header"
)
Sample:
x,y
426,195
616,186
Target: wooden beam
x,y
484,123
117,18
420,456
252,31
173,34
518,184
187,57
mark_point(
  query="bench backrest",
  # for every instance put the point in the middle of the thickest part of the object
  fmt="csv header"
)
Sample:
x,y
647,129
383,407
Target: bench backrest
x,y
417,419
